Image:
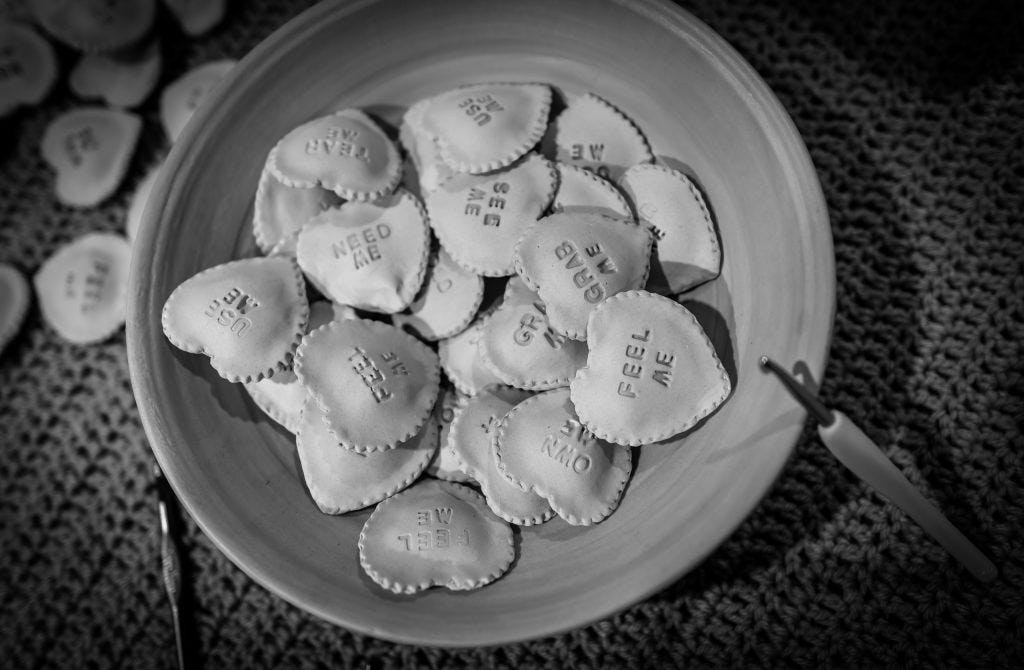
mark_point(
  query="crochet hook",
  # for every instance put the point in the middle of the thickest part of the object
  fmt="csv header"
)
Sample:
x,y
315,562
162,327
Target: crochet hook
x,y
170,561
865,459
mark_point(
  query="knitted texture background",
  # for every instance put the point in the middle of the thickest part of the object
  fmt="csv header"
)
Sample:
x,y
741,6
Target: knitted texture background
x,y
914,116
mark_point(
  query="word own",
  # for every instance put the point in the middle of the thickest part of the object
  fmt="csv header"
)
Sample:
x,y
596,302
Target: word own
x,y
567,446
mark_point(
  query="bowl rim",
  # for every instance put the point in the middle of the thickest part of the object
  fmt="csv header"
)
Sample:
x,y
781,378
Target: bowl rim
x,y
764,105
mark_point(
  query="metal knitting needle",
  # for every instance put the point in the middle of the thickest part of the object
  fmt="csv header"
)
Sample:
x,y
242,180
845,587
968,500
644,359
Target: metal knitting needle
x,y
170,562
865,459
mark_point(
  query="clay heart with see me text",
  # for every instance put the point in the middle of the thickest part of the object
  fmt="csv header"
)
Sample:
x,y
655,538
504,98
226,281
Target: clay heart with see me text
x,y
248,316
478,218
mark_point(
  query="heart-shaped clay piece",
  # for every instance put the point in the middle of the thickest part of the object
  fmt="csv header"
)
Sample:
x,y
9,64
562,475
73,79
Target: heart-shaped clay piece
x,y
197,17
14,302
96,25
248,316
28,66
375,384
182,97
371,256
541,446
687,252
575,260
90,149
485,127
435,533
137,205
446,464
82,288
470,440
279,210
282,397
341,480
583,190
462,362
345,152
593,134
428,168
652,372
478,218
447,301
517,344
120,82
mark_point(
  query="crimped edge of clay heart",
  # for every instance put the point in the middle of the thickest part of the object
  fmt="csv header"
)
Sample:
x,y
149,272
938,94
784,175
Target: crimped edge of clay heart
x,y
259,225
554,321
387,184
421,351
484,482
599,182
234,377
407,292
402,320
424,458
530,140
262,400
623,439
447,236
512,379
699,197
460,492
628,123
570,518
444,355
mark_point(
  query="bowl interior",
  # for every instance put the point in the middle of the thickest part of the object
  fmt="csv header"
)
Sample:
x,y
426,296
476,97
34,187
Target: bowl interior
x,y
704,111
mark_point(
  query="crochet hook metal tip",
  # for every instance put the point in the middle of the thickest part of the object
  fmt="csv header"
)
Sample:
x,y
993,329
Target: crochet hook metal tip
x,y
864,458
821,414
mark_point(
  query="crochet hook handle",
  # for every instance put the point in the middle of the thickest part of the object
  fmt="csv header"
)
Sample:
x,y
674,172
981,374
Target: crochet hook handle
x,y
857,452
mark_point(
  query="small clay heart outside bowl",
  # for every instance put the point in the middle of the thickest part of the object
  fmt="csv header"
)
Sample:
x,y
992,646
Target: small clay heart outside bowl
x,y
705,112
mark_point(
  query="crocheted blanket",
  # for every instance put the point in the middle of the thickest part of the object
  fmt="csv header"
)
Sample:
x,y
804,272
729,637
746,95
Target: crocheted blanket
x,y
914,116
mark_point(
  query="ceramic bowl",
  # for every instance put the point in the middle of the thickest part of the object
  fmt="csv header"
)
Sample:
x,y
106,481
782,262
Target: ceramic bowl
x,y
704,110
